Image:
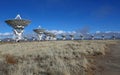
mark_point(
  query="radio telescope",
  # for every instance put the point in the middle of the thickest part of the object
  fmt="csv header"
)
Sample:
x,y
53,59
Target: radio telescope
x,y
48,35
39,32
52,36
92,37
82,37
71,36
103,36
18,24
63,37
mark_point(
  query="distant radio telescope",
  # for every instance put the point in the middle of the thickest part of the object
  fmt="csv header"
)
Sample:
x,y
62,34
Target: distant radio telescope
x,y
39,32
82,37
18,24
53,36
71,36
48,35
113,37
63,37
103,36
92,37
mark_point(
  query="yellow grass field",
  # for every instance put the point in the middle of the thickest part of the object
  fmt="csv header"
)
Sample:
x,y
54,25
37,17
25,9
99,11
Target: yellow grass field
x,y
83,57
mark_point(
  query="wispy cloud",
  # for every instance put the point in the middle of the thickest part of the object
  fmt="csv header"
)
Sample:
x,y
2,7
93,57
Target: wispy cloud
x,y
6,34
98,32
61,32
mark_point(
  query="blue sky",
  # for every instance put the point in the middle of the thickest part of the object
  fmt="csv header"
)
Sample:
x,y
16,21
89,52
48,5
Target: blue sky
x,y
66,15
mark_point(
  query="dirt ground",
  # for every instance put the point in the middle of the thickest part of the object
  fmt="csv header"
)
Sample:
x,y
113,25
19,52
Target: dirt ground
x,y
110,63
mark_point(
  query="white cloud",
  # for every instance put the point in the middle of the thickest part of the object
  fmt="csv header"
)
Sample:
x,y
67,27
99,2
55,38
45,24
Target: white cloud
x,y
61,32
98,32
6,34
71,32
57,31
108,31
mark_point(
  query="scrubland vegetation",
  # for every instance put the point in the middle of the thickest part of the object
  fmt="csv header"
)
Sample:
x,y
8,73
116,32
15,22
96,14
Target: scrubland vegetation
x,y
51,57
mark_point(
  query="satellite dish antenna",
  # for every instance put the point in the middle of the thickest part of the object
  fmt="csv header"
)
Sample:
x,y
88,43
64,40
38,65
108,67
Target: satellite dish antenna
x,y
18,24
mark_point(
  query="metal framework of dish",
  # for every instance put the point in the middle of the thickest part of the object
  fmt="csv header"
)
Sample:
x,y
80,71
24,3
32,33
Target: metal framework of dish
x,y
18,24
39,32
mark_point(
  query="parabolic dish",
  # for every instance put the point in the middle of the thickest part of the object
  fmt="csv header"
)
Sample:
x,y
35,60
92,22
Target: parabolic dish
x,y
17,23
39,30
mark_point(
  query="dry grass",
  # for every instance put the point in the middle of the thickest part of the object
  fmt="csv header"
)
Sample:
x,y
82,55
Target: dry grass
x,y
49,57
